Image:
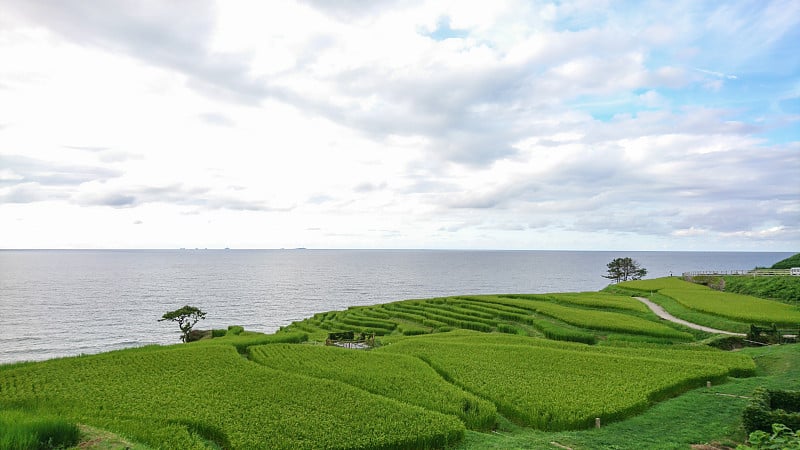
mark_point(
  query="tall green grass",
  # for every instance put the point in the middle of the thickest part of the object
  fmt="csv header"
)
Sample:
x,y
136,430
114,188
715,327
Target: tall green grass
x,y
786,289
28,431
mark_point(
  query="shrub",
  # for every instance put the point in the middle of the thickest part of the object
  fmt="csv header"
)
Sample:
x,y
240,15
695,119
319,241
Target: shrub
x,y
782,438
234,330
218,333
768,407
196,335
788,263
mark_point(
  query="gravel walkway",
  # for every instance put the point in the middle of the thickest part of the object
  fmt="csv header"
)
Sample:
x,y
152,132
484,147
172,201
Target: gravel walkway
x,y
660,312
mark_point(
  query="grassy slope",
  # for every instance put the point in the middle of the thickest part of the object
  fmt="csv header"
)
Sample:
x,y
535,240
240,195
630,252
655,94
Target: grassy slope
x,y
680,311
182,396
547,386
788,263
506,314
602,315
707,304
786,289
400,377
699,416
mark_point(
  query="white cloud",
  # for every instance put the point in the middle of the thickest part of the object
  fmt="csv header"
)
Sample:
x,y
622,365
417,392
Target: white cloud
x,y
326,125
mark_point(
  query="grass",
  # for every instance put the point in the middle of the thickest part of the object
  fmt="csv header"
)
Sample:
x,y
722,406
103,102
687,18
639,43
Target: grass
x,y
553,386
399,377
786,289
96,439
601,300
673,307
426,386
696,417
788,263
735,307
601,320
580,317
187,395
23,430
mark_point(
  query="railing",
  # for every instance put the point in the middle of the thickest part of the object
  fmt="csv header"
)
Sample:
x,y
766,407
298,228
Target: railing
x,y
754,272
697,273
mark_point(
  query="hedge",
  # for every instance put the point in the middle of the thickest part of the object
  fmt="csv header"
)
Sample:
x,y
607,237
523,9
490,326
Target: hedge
x,y
769,406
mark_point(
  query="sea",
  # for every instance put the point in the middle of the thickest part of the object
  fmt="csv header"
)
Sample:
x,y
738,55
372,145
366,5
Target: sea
x,y
57,303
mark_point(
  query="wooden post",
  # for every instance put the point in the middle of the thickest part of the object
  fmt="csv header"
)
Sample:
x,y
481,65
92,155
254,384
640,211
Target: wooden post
x,y
597,422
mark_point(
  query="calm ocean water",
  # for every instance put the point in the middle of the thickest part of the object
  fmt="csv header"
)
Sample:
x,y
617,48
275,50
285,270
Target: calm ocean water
x,y
65,302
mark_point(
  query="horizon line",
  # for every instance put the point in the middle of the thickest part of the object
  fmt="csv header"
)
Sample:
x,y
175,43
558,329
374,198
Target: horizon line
x,y
189,249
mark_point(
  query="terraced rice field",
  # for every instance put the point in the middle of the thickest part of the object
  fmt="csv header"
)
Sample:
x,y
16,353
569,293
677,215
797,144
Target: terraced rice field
x,y
444,366
738,307
556,387
400,377
579,317
188,396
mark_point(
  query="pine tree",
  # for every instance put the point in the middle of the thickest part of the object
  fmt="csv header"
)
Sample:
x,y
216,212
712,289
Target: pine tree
x,y
624,269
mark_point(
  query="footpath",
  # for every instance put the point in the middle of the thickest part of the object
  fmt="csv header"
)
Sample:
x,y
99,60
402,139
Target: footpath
x,y
660,312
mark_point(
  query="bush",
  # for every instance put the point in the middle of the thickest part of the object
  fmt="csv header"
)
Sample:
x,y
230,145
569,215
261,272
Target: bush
x,y
218,333
196,335
782,438
724,342
768,407
788,263
235,330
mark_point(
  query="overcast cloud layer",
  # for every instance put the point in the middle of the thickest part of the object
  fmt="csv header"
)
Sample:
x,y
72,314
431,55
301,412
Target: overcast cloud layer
x,y
655,125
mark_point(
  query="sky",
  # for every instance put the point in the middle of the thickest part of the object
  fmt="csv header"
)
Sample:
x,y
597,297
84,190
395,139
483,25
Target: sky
x,y
566,125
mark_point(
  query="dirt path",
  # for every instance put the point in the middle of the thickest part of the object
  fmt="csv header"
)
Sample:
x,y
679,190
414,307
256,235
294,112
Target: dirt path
x,y
660,312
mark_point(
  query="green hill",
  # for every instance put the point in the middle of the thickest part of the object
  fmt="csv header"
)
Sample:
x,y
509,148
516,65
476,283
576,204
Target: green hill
x,y
788,263
469,370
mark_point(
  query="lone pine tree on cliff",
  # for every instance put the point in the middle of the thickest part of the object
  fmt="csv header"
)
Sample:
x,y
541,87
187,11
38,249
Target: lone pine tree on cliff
x,y
186,318
624,269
